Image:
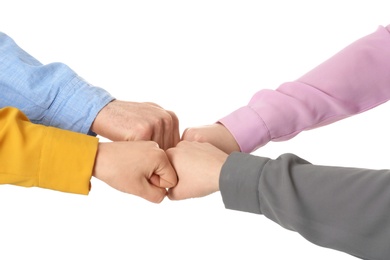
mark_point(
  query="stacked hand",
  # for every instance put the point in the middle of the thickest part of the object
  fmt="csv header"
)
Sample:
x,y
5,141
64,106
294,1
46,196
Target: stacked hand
x,y
140,168
198,166
147,158
215,134
133,121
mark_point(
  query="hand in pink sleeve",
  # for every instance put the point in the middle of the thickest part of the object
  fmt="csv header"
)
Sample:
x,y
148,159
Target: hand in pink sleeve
x,y
352,81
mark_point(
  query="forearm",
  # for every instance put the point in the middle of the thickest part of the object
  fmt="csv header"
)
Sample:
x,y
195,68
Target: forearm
x,y
52,95
32,155
352,81
345,209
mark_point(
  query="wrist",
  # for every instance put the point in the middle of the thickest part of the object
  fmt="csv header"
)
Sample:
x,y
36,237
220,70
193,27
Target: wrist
x,y
101,119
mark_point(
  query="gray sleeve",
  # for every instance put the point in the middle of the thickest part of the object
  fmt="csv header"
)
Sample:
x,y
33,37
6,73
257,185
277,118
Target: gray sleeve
x,y
347,209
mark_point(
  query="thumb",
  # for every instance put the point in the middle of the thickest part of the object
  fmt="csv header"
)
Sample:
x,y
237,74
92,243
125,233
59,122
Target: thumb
x,y
153,193
165,175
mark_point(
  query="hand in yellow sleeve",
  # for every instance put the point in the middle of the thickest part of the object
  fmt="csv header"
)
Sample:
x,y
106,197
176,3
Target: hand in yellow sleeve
x,y
35,155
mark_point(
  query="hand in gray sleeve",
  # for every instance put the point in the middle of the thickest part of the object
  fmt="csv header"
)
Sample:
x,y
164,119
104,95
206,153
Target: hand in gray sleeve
x,y
347,209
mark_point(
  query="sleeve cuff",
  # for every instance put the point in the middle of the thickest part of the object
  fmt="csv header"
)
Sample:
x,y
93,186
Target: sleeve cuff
x,y
248,129
67,161
239,182
76,106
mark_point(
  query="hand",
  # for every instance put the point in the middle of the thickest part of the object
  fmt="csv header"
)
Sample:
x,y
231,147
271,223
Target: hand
x,y
198,166
133,121
216,134
139,168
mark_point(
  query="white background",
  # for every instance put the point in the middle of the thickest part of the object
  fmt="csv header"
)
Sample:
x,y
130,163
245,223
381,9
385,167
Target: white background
x,y
202,60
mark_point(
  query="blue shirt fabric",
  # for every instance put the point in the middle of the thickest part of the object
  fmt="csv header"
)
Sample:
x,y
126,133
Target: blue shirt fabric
x,y
52,94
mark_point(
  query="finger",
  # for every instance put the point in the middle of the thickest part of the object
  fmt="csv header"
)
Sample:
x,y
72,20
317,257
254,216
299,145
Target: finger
x,y
158,135
191,134
168,180
167,175
184,135
155,180
175,129
153,193
174,194
167,133
171,193
171,130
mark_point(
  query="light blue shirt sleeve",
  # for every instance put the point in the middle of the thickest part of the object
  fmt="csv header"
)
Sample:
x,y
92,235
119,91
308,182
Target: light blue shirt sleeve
x,y
52,94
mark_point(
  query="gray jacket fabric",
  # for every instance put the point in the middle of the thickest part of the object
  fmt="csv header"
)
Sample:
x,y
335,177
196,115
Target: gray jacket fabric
x,y
346,209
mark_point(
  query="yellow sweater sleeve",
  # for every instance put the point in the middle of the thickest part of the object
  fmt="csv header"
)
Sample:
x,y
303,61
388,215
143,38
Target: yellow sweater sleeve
x,y
34,155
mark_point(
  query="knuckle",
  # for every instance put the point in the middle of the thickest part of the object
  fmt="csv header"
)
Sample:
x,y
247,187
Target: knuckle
x,y
143,131
193,135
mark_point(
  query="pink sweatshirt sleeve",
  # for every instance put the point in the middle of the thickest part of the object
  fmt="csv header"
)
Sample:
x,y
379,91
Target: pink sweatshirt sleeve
x,y
354,80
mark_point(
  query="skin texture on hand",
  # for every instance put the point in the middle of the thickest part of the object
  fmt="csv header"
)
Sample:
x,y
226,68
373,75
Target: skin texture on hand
x,y
140,168
133,121
215,134
198,166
